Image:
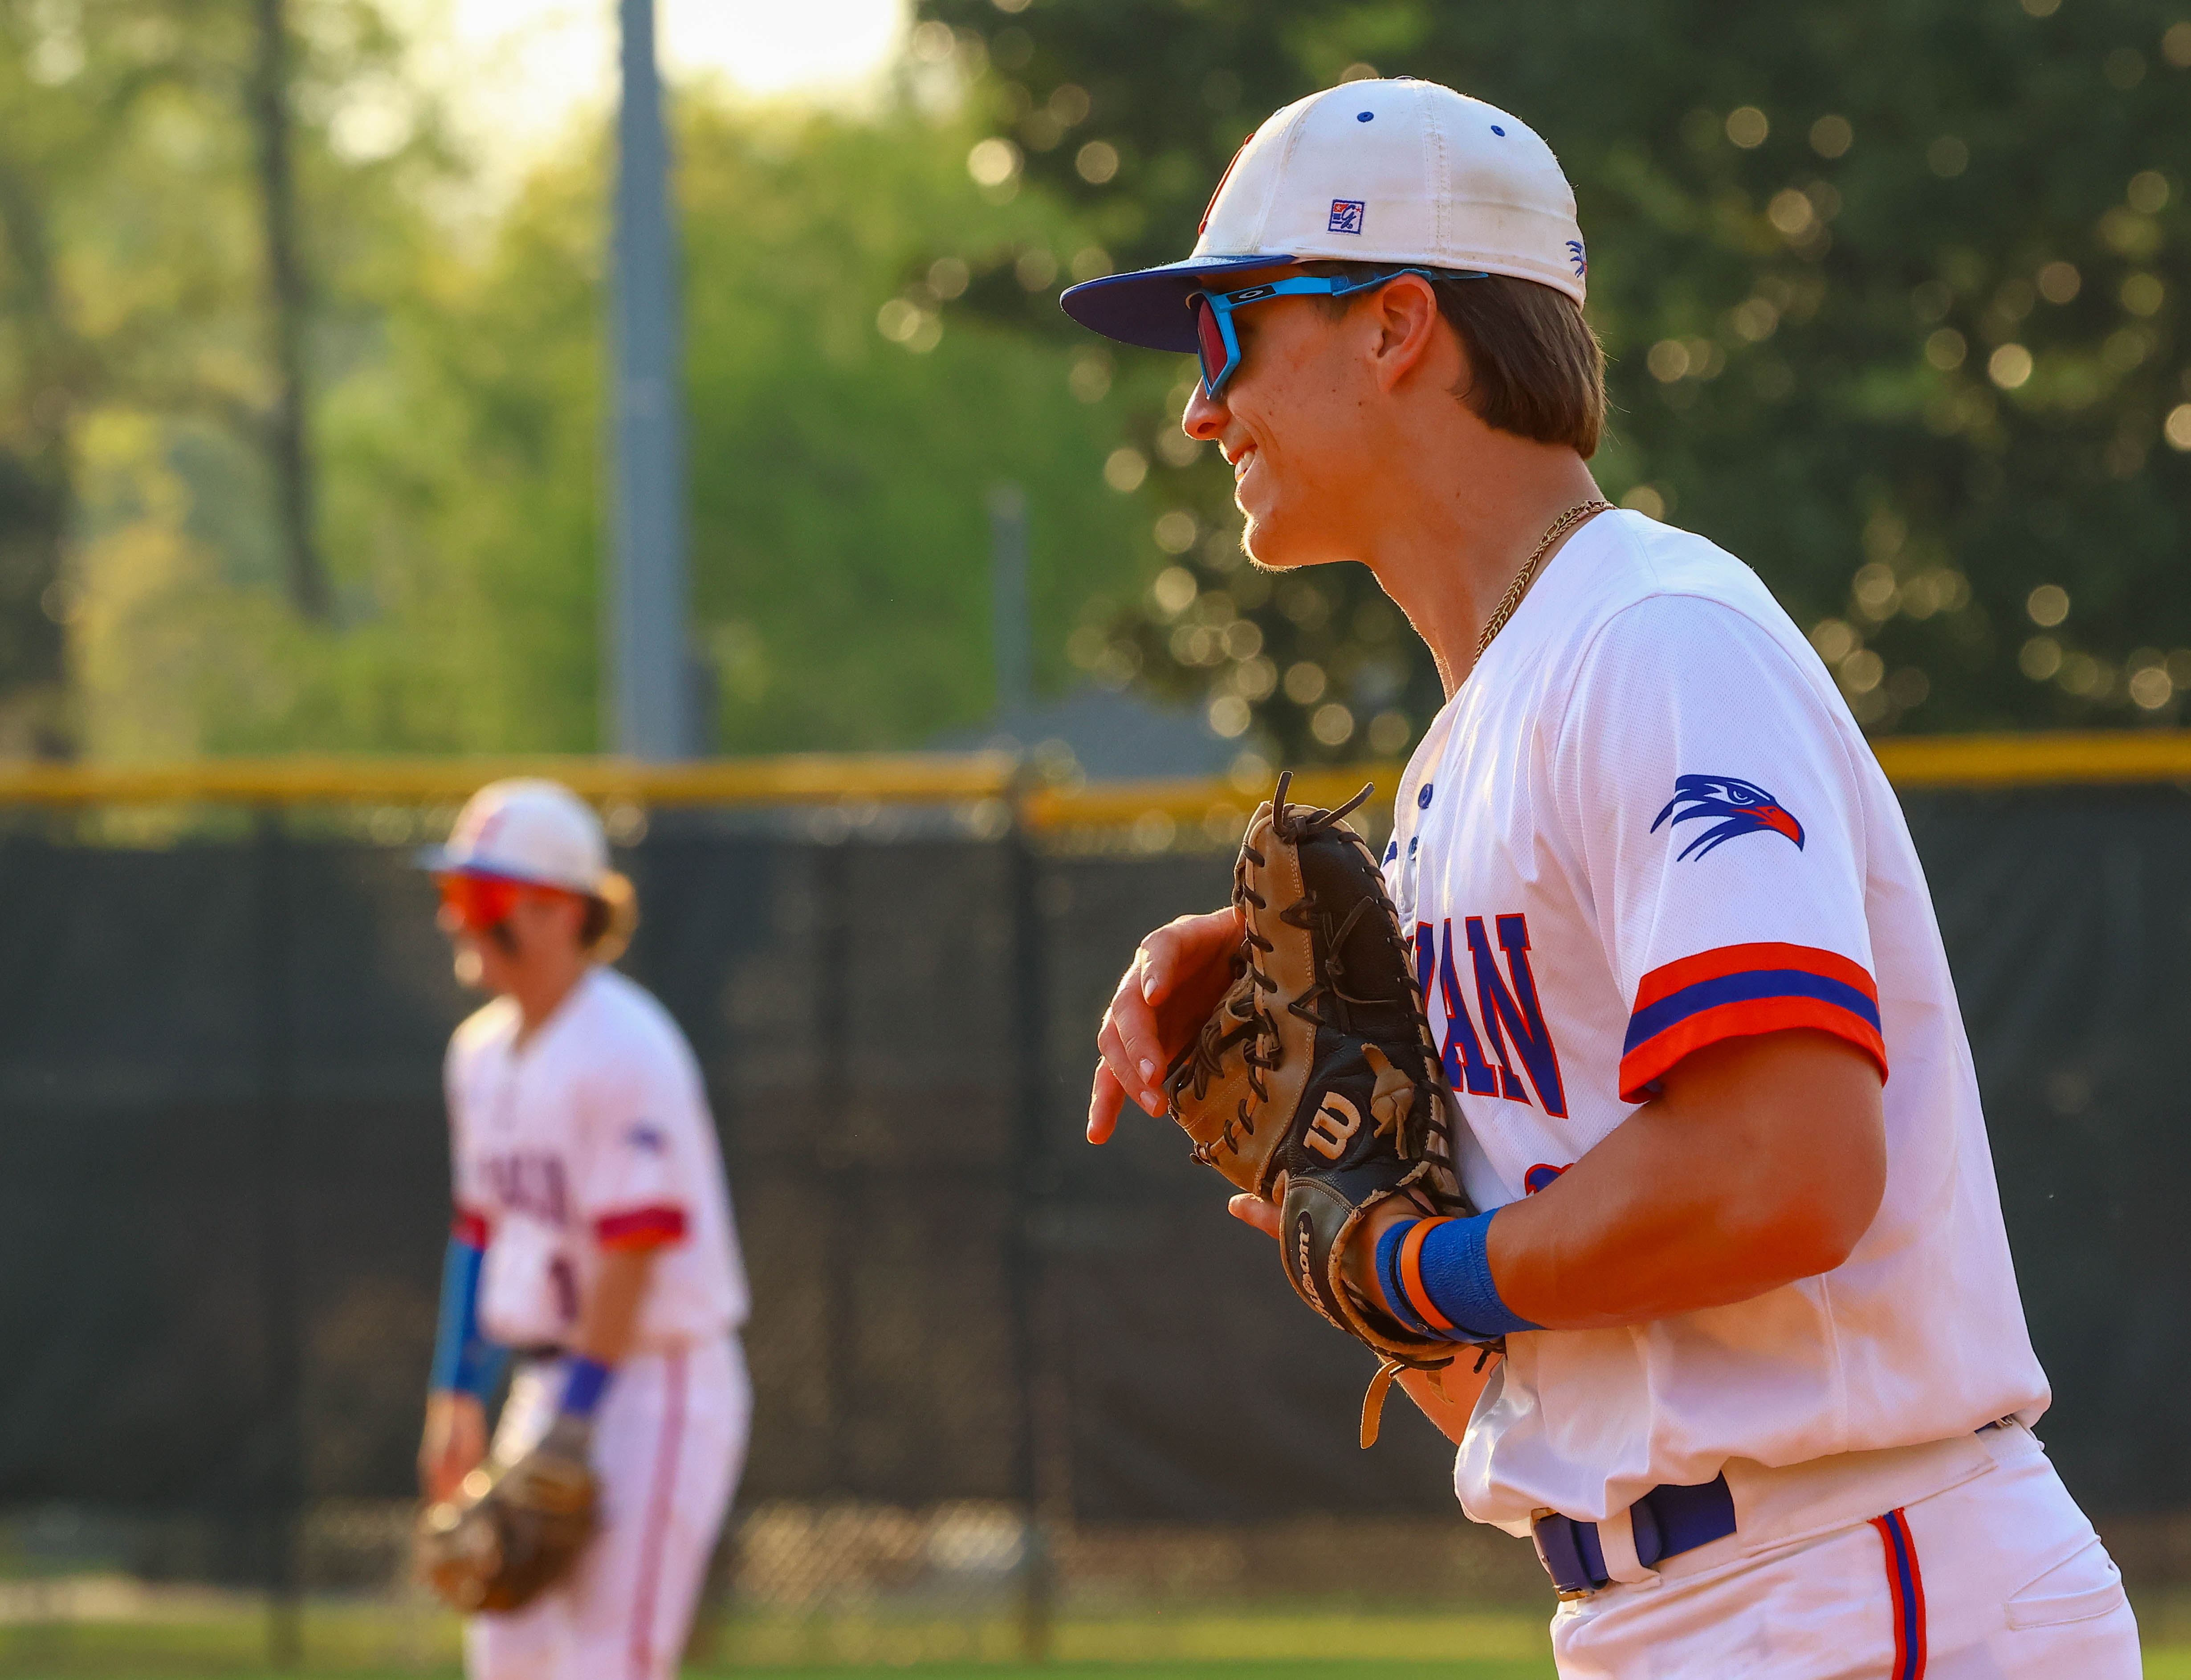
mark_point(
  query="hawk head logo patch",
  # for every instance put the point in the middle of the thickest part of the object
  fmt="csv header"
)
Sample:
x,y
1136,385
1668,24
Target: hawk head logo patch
x,y
1741,808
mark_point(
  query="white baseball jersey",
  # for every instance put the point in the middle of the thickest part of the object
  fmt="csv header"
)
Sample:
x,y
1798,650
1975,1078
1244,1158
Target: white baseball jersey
x,y
1646,824
592,1134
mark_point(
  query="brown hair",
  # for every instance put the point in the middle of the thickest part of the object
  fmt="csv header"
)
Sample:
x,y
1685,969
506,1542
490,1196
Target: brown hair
x,y
611,917
1536,368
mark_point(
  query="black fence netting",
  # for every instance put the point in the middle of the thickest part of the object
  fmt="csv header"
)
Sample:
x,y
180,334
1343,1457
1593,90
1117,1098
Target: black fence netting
x,y
221,1220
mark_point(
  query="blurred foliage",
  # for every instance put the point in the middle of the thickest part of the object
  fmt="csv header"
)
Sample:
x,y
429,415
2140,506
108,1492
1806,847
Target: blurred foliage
x,y
1892,294
845,436
134,343
1893,291
843,439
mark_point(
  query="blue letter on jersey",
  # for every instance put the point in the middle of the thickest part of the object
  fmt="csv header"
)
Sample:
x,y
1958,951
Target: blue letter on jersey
x,y
1515,1014
1465,1069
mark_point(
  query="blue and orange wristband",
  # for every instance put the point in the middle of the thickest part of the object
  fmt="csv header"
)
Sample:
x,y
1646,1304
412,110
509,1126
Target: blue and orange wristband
x,y
1435,1276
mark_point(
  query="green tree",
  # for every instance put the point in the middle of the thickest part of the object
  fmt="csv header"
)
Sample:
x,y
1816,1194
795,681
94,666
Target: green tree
x,y
843,438
1892,294
135,343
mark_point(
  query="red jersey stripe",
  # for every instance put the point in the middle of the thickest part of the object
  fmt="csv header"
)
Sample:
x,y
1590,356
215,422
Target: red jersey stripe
x,y
1663,982
1644,1064
1905,1594
640,1227
645,1607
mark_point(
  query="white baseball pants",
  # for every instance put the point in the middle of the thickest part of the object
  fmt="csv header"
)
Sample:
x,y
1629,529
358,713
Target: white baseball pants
x,y
1998,1578
668,1444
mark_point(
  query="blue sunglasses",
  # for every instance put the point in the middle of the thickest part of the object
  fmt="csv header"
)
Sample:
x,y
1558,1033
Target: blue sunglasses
x,y
1217,343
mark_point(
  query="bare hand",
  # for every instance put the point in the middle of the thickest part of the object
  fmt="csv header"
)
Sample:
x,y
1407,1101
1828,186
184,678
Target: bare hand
x,y
454,1442
1176,978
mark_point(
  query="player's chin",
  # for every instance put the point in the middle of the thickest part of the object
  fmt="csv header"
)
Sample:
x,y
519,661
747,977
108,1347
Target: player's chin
x,y
1263,539
469,966
1278,543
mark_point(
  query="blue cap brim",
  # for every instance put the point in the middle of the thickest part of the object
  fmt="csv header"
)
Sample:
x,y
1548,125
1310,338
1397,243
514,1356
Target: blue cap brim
x,y
439,860
1148,307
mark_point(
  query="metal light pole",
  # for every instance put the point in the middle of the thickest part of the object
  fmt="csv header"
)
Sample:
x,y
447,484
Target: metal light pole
x,y
649,690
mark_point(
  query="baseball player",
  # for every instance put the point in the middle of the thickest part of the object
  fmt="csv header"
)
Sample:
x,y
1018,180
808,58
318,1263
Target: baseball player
x,y
1767,1394
593,1240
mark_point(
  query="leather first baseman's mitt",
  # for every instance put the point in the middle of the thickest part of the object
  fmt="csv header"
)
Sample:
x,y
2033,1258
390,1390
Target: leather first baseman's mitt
x,y
1315,1083
514,1530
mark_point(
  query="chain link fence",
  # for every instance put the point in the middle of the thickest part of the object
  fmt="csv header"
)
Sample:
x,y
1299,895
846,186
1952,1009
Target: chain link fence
x,y
1013,1395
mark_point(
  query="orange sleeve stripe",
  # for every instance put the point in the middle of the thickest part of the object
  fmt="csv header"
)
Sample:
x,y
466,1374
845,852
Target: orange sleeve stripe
x,y
1411,1274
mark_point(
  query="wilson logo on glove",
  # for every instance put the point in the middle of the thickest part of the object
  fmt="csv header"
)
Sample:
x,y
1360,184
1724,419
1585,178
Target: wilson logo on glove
x,y
1334,1123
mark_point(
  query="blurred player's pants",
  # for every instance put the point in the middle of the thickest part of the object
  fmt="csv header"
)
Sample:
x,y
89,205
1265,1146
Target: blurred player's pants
x,y
668,1447
2009,1582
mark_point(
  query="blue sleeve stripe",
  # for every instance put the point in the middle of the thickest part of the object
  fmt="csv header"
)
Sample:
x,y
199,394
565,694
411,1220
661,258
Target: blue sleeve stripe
x,y
1653,1019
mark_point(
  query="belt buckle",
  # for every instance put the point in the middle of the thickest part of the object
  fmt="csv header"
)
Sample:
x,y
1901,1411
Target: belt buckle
x,y
1538,1518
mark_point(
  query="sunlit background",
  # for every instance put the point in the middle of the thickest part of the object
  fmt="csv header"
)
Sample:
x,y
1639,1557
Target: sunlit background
x,y
305,515
1945,412
515,73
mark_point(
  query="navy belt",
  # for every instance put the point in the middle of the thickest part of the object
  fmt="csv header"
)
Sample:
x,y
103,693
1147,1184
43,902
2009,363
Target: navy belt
x,y
1667,1521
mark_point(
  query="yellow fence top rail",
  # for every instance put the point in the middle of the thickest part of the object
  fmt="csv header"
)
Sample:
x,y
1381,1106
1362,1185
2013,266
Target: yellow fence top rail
x,y
2036,760
1966,761
801,779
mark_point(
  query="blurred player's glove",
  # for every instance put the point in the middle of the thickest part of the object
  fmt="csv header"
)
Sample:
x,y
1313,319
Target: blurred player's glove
x,y
514,1530
1315,1083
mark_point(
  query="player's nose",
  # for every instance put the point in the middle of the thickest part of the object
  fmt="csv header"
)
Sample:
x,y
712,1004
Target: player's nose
x,y
1204,417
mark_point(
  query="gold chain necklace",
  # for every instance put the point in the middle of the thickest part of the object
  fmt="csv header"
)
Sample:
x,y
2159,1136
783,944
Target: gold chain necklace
x,y
1512,599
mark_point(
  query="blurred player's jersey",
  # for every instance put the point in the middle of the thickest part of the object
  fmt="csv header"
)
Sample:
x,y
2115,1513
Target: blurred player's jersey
x,y
1646,824
594,1135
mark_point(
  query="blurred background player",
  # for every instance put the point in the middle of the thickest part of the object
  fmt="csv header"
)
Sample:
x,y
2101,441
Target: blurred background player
x,y
592,1239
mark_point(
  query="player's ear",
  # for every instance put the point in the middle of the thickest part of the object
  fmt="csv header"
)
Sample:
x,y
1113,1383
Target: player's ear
x,y
1405,313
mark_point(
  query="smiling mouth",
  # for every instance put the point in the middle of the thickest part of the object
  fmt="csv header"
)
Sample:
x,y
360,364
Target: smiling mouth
x,y
1240,462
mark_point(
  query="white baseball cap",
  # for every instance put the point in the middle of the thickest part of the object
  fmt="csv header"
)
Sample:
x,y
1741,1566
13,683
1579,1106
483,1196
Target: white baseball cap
x,y
1402,172
527,829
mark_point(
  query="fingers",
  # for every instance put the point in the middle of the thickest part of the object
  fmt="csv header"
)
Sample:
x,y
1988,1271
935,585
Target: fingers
x,y
1184,945
1254,1210
1138,1035
1132,1040
1104,1105
1132,1050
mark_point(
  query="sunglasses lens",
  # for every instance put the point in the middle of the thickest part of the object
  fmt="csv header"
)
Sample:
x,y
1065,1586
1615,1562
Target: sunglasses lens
x,y
1209,343
478,903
